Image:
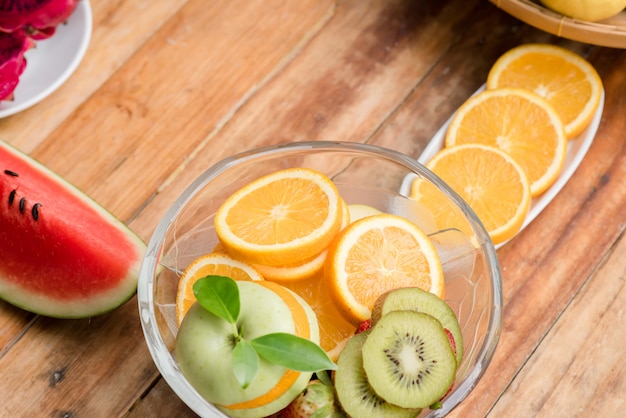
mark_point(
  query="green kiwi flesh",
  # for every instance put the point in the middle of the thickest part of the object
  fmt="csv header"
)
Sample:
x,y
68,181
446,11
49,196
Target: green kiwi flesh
x,y
354,392
416,299
408,360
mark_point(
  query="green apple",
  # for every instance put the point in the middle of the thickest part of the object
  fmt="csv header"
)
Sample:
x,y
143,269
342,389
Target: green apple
x,y
205,343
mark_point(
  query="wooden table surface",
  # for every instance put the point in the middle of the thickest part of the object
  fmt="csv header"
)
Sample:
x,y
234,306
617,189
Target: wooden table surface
x,y
169,87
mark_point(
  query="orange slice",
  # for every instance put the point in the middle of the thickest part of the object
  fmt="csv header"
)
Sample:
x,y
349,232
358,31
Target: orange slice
x,y
296,272
376,254
209,265
489,180
562,77
334,329
304,269
518,122
280,219
444,213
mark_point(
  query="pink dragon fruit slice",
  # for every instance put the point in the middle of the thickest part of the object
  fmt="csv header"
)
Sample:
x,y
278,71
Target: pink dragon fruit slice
x,y
38,18
12,61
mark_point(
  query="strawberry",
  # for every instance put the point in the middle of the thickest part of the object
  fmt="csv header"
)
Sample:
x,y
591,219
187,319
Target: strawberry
x,y
363,326
437,404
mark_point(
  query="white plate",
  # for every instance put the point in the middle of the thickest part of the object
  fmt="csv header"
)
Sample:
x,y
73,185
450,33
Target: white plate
x,y
576,150
52,61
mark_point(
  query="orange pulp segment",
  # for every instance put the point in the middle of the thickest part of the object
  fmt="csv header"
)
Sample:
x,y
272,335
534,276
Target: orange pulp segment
x,y
280,219
376,254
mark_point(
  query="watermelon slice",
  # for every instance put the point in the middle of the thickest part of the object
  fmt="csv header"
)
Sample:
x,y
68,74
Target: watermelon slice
x,y
61,254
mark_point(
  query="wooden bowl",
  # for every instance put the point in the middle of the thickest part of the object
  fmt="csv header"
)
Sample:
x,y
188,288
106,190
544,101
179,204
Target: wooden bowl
x,y
609,32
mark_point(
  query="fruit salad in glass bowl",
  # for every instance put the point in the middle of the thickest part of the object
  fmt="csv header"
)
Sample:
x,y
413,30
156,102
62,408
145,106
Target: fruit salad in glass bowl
x,y
303,276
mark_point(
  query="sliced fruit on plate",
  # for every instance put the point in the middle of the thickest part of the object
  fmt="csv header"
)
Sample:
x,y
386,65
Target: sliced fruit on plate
x,y
37,18
518,122
13,46
491,182
63,255
562,77
215,264
283,218
376,254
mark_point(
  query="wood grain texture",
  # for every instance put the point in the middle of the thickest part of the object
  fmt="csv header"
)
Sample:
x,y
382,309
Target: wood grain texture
x,y
169,88
117,35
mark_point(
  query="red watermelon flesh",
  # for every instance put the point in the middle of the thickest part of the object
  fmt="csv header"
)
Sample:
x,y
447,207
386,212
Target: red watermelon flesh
x,y
61,254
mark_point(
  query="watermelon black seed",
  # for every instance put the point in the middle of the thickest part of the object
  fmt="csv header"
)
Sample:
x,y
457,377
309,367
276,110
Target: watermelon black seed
x,y
35,211
22,204
11,173
12,196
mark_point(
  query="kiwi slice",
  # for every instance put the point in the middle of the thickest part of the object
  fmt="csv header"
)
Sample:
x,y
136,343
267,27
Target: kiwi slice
x,y
416,299
354,392
408,359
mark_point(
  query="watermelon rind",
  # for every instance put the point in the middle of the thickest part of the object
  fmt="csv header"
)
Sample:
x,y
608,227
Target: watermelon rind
x,y
20,284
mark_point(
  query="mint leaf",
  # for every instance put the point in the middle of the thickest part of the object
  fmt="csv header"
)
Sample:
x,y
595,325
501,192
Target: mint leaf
x,y
292,352
245,363
218,295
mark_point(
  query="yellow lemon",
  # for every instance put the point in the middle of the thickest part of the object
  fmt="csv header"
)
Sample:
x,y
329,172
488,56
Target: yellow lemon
x,y
590,10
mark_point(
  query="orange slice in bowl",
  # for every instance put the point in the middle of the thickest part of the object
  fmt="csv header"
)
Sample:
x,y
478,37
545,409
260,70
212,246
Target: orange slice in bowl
x,y
518,122
376,254
303,270
283,218
292,273
209,265
334,329
562,77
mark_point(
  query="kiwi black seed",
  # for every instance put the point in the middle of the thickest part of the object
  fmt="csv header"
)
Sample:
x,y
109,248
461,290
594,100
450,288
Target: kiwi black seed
x,y
354,392
416,299
408,359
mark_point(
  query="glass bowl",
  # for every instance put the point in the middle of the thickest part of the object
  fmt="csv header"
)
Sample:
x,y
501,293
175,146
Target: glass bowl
x,y
364,174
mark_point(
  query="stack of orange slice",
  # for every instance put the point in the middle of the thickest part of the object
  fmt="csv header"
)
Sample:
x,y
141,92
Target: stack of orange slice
x,y
537,98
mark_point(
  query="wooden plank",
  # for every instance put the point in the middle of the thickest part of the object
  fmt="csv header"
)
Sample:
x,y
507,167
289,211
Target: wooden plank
x,y
326,92
559,370
13,323
119,29
160,402
76,368
172,93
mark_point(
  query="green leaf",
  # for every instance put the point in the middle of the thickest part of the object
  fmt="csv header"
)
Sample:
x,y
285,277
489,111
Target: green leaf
x,y
218,295
292,352
245,363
